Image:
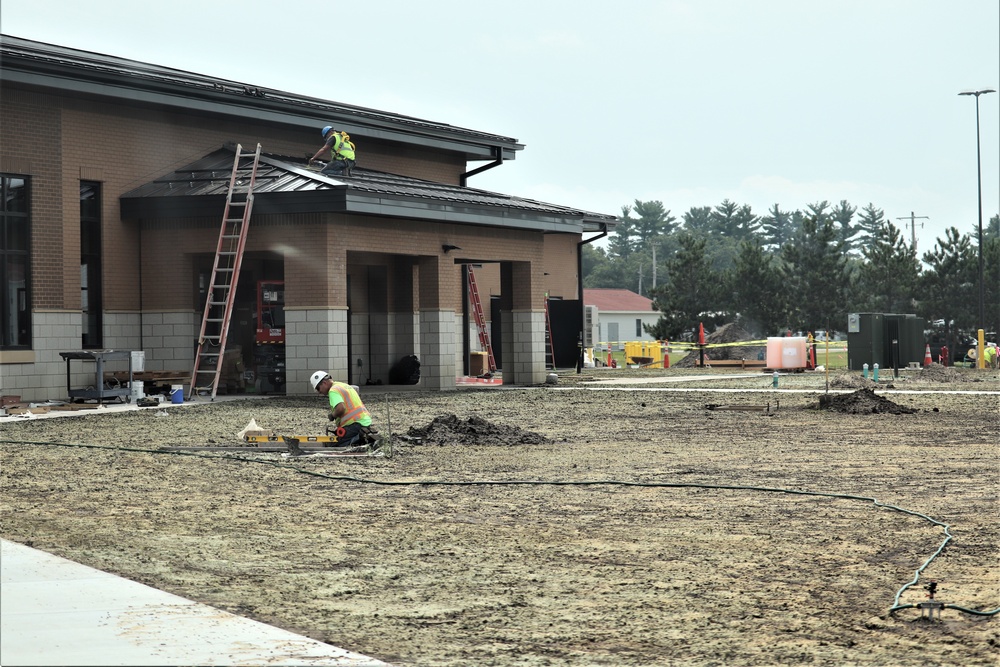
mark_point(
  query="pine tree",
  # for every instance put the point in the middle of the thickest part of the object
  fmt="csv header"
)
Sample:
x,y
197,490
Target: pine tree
x,y
815,272
949,284
843,217
755,290
870,220
887,279
690,295
776,227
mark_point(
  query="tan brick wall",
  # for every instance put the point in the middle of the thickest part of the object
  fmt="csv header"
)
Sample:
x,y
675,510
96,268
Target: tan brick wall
x,y
320,249
559,261
57,141
153,266
30,144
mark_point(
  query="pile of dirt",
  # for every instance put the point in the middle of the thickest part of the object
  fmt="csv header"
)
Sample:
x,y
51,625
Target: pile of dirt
x,y
451,430
863,402
727,333
938,373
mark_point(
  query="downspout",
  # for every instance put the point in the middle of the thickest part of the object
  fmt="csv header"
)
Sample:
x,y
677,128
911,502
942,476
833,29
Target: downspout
x,y
463,179
579,287
139,271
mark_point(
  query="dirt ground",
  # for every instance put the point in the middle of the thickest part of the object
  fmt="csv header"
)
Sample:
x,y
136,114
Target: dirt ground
x,y
581,523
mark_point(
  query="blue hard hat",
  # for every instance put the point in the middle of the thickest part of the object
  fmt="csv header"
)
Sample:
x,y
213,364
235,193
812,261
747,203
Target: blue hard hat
x,y
326,130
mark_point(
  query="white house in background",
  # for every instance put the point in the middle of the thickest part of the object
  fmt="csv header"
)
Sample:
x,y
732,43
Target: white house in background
x,y
617,316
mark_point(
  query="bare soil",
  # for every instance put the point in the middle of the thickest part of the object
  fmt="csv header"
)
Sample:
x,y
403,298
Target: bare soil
x,y
581,523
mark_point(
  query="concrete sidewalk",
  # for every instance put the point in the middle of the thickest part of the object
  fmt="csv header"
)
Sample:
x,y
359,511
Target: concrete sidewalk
x,y
57,612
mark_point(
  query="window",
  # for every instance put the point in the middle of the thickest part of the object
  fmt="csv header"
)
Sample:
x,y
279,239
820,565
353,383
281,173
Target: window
x,y
15,263
638,328
90,264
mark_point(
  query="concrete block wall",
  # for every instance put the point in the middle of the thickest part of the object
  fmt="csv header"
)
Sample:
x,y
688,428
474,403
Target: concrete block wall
x,y
169,339
315,340
524,360
438,354
45,378
122,331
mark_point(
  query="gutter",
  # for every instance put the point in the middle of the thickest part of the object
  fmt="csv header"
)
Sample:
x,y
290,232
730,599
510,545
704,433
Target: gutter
x,y
497,161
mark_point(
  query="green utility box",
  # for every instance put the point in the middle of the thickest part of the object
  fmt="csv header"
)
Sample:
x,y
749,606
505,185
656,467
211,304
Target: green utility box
x,y
891,340
864,340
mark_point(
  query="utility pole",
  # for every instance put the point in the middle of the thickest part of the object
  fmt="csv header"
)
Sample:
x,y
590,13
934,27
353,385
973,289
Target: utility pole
x,y
913,226
654,264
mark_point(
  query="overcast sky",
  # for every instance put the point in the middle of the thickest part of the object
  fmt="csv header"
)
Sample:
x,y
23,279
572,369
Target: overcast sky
x,y
684,101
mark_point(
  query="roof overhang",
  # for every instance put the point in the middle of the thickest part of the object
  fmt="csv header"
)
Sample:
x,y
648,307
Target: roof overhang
x,y
288,187
84,74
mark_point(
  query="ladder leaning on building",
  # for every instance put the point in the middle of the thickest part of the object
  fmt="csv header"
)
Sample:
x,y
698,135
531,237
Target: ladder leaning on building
x,y
221,295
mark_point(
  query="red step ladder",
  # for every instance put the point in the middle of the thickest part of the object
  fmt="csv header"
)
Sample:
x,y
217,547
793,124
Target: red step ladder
x,y
477,310
225,275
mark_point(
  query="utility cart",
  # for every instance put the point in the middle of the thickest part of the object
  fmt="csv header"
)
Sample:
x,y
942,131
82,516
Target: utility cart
x,y
101,389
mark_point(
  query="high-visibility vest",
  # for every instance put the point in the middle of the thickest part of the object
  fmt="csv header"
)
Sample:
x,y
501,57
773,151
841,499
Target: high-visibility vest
x,y
354,409
341,148
989,354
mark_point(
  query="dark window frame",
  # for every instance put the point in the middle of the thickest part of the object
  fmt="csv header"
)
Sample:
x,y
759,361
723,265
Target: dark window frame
x,y
91,260
18,317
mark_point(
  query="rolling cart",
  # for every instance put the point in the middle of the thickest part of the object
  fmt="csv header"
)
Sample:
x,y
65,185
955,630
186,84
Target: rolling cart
x,y
100,391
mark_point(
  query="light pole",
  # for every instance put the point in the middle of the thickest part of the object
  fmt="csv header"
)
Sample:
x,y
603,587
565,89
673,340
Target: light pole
x,y
979,181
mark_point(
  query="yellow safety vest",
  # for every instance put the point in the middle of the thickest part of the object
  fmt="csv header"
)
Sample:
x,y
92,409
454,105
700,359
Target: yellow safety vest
x,y
354,409
341,148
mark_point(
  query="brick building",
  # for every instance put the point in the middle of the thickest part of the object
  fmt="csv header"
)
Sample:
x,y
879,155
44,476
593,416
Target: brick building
x,y
113,175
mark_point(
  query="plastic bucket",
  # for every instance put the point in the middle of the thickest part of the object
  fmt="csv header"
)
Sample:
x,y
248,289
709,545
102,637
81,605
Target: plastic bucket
x,y
176,394
138,391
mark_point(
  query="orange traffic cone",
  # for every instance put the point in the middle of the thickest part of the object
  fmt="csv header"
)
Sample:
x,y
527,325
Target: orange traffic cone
x,y
927,357
666,354
609,355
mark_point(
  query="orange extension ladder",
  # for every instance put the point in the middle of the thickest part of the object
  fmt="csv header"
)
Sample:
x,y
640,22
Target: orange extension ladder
x,y
225,274
477,309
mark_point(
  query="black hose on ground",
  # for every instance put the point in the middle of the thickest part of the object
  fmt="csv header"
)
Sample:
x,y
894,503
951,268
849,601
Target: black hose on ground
x,y
668,485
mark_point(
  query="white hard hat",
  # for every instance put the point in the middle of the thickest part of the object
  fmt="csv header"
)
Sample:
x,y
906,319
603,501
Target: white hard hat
x,y
318,377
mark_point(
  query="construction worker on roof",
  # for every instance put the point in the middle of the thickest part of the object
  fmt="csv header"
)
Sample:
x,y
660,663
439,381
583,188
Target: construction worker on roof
x,y
352,421
341,153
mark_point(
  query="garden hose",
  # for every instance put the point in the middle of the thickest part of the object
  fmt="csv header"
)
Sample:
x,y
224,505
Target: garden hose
x,y
607,482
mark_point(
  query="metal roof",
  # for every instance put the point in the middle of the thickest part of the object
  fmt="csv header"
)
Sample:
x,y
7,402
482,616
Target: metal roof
x,y
286,185
130,82
617,300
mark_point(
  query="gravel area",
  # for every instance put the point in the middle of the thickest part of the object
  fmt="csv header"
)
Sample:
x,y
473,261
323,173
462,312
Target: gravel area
x,y
633,517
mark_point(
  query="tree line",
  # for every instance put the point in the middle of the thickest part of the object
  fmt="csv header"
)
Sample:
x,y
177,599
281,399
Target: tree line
x,y
803,270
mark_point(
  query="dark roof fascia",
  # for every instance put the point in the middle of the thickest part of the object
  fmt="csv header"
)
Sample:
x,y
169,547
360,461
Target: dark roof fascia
x,y
340,200
134,82
432,211
212,206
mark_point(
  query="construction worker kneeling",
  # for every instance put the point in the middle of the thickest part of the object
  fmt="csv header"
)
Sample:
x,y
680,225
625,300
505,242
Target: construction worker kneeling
x,y
352,422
